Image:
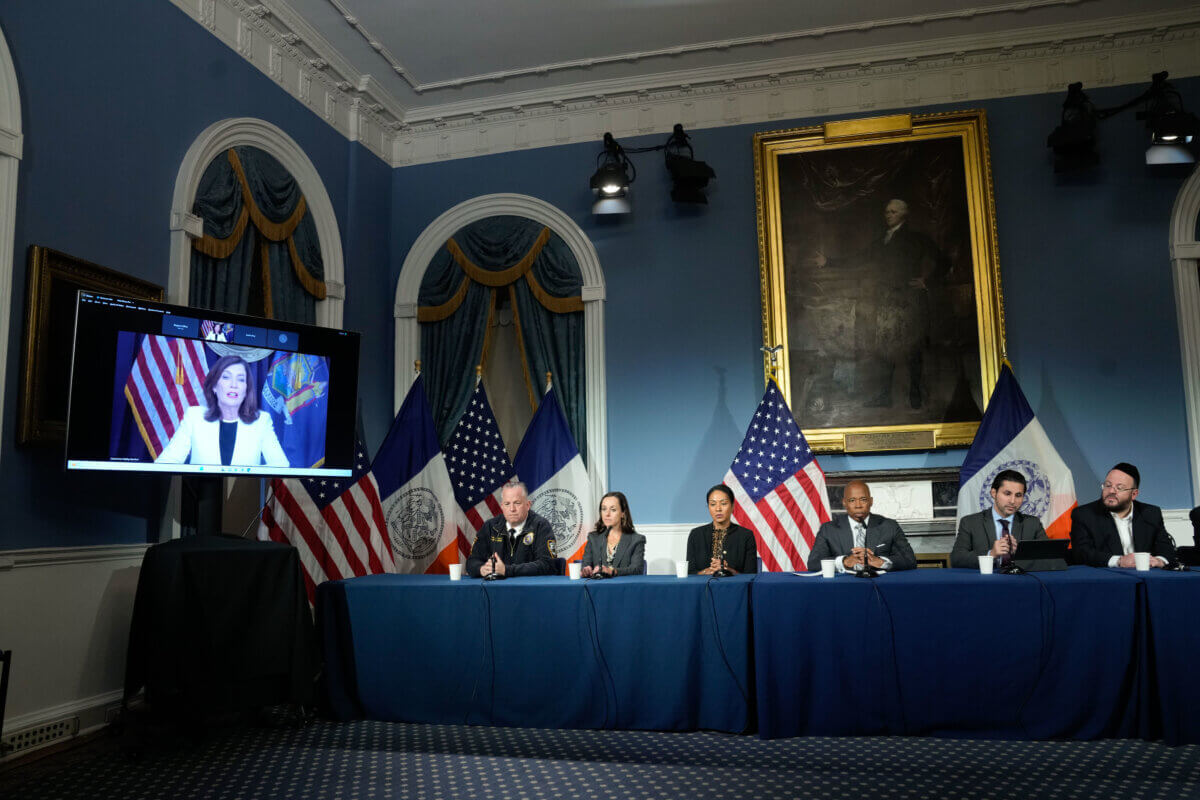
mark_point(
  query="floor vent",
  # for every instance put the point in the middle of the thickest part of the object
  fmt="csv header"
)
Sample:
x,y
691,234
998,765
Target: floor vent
x,y
39,736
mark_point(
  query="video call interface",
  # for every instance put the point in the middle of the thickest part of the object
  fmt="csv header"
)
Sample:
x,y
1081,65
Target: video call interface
x,y
157,388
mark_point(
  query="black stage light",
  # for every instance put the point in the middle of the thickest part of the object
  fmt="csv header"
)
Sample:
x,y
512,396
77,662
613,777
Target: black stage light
x,y
689,177
1074,140
610,182
1171,127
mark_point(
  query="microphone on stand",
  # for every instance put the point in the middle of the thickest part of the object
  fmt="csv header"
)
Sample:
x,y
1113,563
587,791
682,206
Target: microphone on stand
x,y
493,575
865,570
724,571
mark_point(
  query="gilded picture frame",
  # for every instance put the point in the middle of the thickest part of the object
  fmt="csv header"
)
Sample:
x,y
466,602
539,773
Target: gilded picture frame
x,y
53,281
880,278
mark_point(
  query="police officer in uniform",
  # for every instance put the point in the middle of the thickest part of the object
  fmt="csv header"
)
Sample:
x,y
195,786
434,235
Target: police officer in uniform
x,y
516,543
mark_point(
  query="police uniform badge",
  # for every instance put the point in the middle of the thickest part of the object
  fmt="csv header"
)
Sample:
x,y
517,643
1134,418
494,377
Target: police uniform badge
x,y
528,540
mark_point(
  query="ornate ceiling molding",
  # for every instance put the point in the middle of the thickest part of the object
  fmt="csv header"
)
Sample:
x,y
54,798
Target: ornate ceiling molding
x,y
1020,6
949,70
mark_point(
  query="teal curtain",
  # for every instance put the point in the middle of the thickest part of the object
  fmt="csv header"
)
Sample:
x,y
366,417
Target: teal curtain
x,y
552,340
274,234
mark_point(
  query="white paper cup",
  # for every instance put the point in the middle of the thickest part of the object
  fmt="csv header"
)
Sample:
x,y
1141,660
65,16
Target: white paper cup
x,y
574,569
828,567
456,572
985,565
1141,561
681,569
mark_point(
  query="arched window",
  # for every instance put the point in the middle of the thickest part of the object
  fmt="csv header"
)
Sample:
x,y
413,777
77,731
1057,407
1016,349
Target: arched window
x,y
215,142
433,239
1185,267
10,158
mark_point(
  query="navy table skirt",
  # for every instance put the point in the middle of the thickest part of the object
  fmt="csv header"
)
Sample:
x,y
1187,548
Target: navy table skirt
x,y
638,652
949,652
1173,655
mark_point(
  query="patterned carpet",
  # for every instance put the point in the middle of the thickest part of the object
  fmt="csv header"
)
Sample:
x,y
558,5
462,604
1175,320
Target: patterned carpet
x,y
376,760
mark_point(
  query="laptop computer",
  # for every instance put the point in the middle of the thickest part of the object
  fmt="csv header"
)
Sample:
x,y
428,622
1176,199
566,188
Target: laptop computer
x,y
1042,555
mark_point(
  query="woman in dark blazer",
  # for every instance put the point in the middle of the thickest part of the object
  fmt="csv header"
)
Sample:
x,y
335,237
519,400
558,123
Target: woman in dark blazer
x,y
741,555
614,547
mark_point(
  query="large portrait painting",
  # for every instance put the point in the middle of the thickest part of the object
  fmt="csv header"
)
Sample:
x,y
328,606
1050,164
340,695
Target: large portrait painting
x,y
880,279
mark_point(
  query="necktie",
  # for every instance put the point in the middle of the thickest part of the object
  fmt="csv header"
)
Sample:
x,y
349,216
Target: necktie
x,y
1007,557
860,536
512,539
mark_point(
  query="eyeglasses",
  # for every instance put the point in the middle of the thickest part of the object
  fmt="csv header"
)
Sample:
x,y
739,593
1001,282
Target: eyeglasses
x,y
1107,486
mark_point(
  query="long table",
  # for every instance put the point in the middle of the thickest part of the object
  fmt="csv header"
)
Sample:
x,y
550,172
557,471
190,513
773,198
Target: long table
x,y
949,652
639,652
1083,653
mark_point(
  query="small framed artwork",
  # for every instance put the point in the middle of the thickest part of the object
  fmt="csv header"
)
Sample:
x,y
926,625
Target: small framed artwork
x,y
880,279
54,280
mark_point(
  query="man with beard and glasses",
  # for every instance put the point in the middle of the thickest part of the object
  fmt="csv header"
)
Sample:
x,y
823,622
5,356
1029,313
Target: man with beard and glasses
x,y
1107,532
995,531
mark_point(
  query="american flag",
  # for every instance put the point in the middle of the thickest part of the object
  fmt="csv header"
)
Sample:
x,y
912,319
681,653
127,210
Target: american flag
x,y
778,487
478,464
167,377
337,525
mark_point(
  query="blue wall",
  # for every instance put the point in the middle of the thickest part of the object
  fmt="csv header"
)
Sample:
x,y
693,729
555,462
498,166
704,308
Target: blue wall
x,y
108,115
108,111
1085,276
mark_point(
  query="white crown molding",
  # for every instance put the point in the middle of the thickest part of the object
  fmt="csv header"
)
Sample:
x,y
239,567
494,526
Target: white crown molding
x,y
295,56
408,286
1035,60
851,83
721,45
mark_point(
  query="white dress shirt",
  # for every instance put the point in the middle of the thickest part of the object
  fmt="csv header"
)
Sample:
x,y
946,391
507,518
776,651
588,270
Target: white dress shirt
x,y
1125,531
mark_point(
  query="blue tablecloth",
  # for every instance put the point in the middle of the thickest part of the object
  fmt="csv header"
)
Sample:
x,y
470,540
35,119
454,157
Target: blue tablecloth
x,y
639,652
1173,655
948,652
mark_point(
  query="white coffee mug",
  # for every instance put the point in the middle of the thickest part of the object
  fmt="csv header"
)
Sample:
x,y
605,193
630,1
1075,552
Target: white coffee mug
x,y
828,567
985,564
574,569
681,569
1141,561
456,572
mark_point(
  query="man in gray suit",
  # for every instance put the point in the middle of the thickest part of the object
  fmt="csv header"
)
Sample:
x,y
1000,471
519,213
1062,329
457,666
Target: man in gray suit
x,y
861,537
995,531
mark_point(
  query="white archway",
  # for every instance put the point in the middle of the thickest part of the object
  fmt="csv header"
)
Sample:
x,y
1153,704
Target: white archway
x,y
185,226
1185,270
10,159
408,335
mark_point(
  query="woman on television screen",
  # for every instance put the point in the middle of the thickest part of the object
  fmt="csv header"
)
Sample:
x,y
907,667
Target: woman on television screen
x,y
230,430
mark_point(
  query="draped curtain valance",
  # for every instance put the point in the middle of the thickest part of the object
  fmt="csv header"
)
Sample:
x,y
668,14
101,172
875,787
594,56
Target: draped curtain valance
x,y
538,273
255,215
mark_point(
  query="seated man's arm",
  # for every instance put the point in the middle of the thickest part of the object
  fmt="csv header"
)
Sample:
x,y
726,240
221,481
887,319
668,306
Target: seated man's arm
x,y
1084,546
1163,544
481,551
963,553
821,549
902,556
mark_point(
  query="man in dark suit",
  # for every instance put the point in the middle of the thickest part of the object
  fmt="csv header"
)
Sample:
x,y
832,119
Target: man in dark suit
x,y
861,537
995,531
1107,532
516,543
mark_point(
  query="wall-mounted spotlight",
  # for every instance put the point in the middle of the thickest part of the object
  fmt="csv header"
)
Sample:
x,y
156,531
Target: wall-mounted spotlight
x,y
610,181
615,172
1172,129
689,177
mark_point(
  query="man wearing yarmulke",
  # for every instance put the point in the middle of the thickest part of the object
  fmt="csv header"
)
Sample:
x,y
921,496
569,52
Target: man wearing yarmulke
x,y
1107,532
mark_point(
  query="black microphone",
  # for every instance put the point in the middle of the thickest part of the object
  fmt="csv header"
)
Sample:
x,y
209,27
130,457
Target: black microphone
x,y
724,571
493,575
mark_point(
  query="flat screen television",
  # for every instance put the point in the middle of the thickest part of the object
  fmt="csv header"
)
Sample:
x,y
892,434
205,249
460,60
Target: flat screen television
x,y
169,389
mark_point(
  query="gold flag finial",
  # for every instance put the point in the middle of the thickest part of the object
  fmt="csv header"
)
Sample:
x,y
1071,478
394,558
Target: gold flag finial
x,y
417,366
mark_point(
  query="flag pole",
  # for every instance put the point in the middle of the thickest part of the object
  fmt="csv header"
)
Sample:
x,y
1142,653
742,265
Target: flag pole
x,y
548,374
478,373
773,355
